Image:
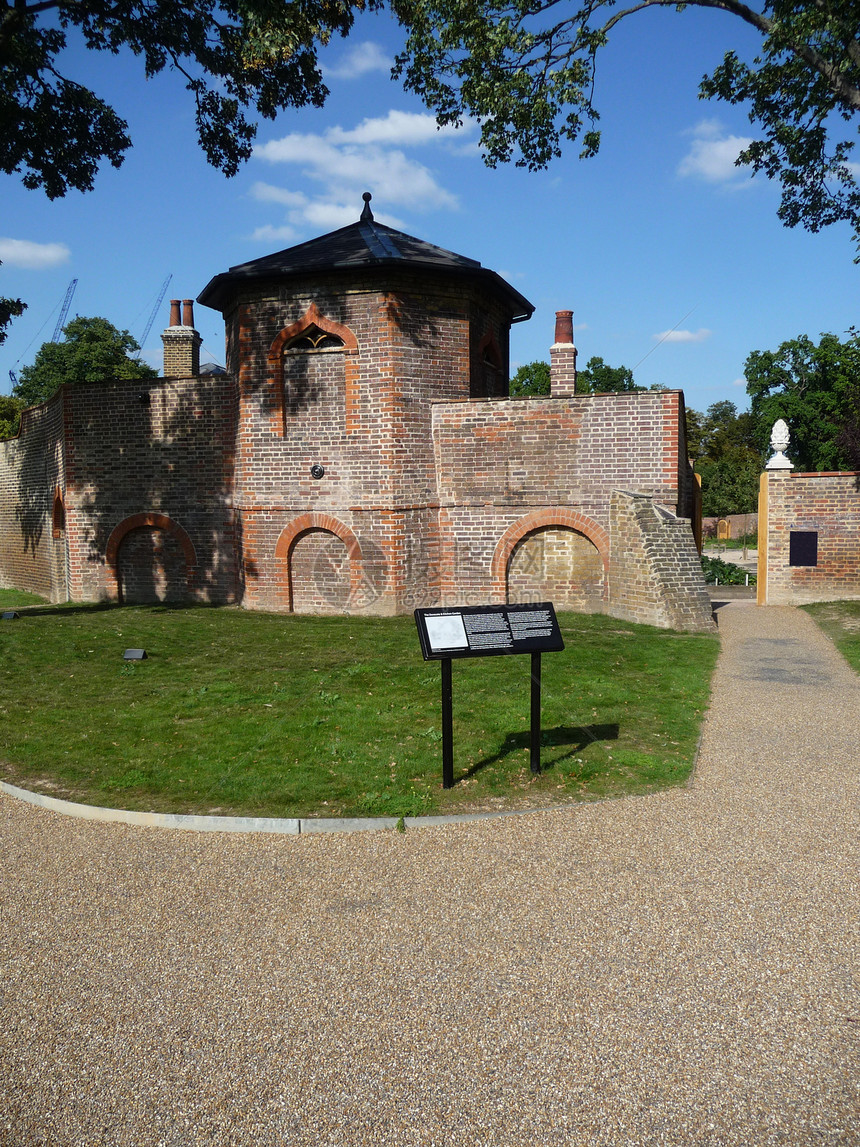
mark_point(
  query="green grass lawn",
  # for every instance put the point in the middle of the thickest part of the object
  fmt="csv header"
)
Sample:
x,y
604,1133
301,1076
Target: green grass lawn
x,y
749,540
276,715
18,598
840,620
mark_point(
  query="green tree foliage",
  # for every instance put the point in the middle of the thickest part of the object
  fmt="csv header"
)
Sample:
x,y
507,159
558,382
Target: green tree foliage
x,y
9,309
721,445
526,70
730,483
530,381
719,429
599,377
93,351
235,56
849,438
814,388
10,415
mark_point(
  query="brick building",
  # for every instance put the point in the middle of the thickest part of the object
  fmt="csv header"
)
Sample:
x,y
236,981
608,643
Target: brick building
x,y
360,454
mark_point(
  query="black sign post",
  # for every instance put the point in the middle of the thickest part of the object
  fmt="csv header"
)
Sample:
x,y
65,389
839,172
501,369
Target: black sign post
x,y
534,759
447,725
487,631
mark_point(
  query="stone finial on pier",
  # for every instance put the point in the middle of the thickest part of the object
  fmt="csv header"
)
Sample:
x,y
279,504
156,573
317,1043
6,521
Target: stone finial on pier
x,y
779,440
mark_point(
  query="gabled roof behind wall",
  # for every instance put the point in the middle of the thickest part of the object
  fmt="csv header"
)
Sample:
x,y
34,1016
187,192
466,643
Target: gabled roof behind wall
x,y
364,244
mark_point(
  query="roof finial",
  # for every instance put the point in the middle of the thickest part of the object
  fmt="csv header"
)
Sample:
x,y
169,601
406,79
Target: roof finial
x,y
367,214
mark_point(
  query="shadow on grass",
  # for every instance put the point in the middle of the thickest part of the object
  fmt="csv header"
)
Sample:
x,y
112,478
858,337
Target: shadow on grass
x,y
64,609
576,737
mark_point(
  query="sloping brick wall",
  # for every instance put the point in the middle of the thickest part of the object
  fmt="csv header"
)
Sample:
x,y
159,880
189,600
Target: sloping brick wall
x,y
827,504
655,573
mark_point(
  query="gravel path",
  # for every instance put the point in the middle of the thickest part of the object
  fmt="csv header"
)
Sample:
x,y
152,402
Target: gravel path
x,y
677,969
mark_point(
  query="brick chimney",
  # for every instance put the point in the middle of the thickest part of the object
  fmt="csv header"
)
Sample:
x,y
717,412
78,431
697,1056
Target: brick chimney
x,y
562,357
181,342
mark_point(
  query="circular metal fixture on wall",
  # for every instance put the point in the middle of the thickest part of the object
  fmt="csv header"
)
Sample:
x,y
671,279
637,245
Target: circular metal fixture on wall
x,y
317,471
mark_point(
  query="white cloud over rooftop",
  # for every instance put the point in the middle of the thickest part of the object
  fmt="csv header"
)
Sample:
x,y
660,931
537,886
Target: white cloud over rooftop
x,y
348,161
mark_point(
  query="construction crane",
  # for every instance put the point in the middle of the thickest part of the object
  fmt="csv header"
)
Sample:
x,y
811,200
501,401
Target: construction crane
x,y
64,310
158,303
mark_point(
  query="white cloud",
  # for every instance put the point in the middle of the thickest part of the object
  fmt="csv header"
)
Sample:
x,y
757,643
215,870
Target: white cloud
x,y
359,60
713,154
347,161
408,129
32,256
269,234
683,336
349,170
267,193
739,382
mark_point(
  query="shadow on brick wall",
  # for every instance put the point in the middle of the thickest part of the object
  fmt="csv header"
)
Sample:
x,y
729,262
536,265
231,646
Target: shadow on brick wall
x,y
165,449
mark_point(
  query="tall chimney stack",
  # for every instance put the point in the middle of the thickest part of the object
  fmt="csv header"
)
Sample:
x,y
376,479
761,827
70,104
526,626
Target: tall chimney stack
x,y
181,342
562,357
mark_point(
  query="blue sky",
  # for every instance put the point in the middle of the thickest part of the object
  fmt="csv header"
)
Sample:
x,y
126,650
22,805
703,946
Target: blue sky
x,y
672,260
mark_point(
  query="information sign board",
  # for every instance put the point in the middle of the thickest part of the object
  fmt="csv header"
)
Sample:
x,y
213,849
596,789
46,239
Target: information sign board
x,y
488,630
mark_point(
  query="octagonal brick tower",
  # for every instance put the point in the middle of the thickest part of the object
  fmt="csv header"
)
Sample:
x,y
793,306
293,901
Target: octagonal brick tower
x,y
339,346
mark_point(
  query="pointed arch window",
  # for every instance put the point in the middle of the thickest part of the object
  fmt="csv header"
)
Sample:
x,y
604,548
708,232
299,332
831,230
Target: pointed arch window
x,y
314,338
313,331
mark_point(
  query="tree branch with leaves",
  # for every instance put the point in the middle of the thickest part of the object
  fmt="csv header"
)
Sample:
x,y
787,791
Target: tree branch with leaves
x,y
527,71
235,55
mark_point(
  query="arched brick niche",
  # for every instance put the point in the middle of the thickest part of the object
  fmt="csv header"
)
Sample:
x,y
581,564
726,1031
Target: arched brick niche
x,y
58,514
492,382
313,330
150,557
554,555
320,565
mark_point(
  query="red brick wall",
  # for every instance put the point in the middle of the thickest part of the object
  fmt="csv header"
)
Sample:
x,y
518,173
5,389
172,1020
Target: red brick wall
x,y
430,492
31,469
828,503
740,524
524,484
363,413
170,457
319,573
156,465
563,451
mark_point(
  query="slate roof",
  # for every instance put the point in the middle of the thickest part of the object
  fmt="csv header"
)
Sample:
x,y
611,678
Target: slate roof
x,y
363,244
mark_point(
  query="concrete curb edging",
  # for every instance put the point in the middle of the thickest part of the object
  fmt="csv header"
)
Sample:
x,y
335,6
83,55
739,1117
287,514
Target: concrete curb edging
x,y
294,826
